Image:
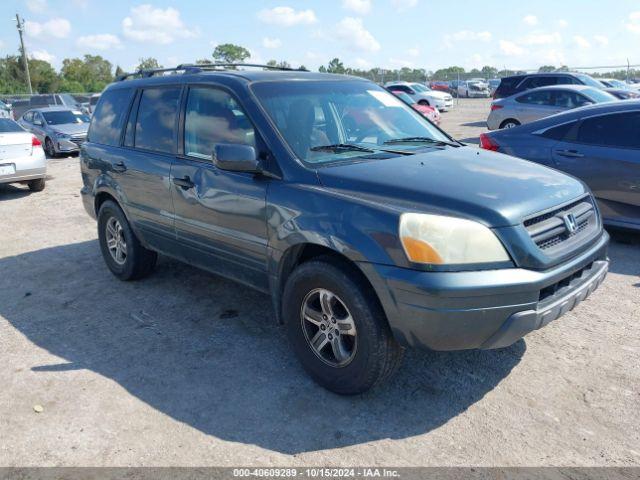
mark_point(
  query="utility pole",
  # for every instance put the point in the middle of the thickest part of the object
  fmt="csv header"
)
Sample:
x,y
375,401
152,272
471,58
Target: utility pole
x,y
20,26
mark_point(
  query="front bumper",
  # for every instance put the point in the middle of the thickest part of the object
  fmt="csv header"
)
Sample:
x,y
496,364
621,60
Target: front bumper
x,y
63,145
444,105
483,309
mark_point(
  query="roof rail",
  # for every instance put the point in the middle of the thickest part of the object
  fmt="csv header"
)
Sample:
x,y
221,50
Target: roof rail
x,y
150,72
200,67
222,65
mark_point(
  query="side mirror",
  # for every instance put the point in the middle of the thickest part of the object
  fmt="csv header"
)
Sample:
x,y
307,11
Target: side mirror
x,y
236,157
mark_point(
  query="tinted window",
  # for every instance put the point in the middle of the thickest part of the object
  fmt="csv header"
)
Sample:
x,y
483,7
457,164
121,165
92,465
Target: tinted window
x,y
615,130
28,117
213,116
539,81
508,86
107,119
42,100
401,88
7,125
568,99
559,132
537,98
155,127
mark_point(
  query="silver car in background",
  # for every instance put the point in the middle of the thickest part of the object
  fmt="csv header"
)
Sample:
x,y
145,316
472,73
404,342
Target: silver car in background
x,y
537,103
60,129
474,88
22,159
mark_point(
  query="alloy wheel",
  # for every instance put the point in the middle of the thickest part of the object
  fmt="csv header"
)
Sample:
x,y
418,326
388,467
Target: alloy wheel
x,y
116,242
328,327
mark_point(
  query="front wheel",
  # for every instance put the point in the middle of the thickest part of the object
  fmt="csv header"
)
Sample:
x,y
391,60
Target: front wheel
x,y
122,251
337,328
49,148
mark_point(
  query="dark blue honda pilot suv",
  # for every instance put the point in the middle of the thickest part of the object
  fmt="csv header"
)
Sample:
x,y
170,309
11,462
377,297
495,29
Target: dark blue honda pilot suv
x,y
370,228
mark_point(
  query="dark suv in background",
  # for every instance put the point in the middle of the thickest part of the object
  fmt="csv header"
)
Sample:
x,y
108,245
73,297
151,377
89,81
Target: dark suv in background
x,y
519,83
370,228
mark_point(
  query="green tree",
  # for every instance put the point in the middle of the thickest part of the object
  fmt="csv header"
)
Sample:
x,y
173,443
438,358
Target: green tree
x,y
489,72
147,63
230,53
12,77
119,71
547,68
203,61
450,73
335,66
44,78
92,72
280,64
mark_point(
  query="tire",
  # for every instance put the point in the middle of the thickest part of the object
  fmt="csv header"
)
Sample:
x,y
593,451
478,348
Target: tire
x,y
374,355
49,148
137,261
37,185
424,102
509,123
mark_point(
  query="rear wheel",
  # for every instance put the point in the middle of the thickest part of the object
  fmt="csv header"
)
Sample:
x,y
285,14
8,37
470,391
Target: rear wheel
x,y
37,185
424,102
122,251
337,328
510,123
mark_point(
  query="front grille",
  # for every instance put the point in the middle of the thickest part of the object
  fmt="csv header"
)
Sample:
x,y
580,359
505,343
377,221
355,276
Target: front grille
x,y
79,139
560,227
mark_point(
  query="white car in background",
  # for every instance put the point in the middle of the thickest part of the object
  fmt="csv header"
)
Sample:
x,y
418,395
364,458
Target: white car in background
x,y
22,159
423,95
474,88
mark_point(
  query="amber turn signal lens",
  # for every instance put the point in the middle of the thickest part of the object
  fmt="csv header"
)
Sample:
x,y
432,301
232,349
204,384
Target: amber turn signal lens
x,y
419,251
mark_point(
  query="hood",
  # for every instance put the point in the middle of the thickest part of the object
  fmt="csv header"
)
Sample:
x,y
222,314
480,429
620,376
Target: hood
x,y
495,189
70,128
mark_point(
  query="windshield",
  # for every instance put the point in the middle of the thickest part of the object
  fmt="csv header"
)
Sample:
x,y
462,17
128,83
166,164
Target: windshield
x,y
618,84
587,80
7,125
65,116
420,88
68,100
599,96
404,97
312,114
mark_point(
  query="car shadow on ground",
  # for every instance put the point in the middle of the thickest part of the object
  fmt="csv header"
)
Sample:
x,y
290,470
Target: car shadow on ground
x,y
9,191
481,123
624,251
206,352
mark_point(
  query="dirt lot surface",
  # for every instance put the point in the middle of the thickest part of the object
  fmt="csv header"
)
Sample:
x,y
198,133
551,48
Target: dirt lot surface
x,y
185,368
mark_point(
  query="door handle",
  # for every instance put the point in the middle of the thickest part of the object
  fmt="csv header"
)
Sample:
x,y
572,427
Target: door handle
x,y
184,183
119,167
570,153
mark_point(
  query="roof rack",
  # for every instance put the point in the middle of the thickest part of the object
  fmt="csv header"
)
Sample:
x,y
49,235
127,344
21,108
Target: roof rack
x,y
201,67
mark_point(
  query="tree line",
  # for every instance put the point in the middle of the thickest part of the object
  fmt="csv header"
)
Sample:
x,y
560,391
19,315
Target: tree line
x,y
93,72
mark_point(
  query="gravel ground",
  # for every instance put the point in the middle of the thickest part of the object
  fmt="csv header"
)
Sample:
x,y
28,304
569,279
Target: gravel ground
x,y
185,368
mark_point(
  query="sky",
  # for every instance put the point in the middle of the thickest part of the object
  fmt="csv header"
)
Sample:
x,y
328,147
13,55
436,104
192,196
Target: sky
x,y
390,34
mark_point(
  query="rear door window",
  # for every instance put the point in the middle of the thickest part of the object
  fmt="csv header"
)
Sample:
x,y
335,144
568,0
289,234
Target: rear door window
x,y
539,81
156,122
544,98
106,123
619,130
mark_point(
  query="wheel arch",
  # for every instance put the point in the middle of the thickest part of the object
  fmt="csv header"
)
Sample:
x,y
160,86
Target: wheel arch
x,y
301,253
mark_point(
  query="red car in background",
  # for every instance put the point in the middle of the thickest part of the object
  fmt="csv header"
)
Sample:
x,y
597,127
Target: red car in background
x,y
427,111
440,86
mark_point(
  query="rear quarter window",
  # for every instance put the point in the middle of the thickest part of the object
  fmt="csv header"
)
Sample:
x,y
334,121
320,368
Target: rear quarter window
x,y
107,120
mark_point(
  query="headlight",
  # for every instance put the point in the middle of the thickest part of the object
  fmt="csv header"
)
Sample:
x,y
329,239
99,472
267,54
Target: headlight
x,y
441,240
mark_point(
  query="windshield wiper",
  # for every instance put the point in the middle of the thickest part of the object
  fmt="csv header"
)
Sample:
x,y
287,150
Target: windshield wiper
x,y
420,140
341,147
